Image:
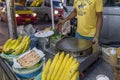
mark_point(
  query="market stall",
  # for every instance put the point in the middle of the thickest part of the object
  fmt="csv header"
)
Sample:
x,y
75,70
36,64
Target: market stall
x,y
24,63
57,57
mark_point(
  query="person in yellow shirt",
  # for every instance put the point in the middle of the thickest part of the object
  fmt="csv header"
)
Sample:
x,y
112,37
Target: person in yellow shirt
x,y
89,16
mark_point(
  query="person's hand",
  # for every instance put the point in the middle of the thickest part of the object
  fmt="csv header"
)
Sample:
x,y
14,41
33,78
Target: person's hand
x,y
95,41
60,23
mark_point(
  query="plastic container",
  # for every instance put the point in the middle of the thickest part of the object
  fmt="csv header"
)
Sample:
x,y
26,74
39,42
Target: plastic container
x,y
38,77
102,77
9,57
27,73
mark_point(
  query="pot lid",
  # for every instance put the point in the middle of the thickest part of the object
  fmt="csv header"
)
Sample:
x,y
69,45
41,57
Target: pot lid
x,y
73,44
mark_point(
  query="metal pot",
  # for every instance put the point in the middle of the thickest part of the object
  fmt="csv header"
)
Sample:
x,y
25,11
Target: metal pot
x,y
76,47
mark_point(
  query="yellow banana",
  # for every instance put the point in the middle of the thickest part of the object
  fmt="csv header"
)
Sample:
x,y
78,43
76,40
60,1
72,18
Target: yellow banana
x,y
67,66
27,43
24,39
27,38
46,70
60,71
53,66
6,44
75,76
57,66
23,46
11,44
73,68
15,44
19,49
20,38
9,48
26,46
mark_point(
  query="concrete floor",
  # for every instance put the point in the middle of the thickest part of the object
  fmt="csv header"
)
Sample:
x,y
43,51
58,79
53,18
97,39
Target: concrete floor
x,y
99,67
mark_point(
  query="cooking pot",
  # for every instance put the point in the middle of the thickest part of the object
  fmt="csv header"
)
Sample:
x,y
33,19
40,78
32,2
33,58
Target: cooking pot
x,y
76,47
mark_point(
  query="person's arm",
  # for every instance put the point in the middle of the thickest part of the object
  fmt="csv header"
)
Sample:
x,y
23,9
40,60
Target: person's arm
x,y
98,27
69,17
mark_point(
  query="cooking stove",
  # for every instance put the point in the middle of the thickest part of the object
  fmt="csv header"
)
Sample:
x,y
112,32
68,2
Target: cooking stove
x,y
85,60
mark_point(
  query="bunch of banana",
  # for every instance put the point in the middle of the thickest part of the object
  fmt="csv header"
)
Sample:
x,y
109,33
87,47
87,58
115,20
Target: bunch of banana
x,y
62,67
16,46
23,46
36,3
6,45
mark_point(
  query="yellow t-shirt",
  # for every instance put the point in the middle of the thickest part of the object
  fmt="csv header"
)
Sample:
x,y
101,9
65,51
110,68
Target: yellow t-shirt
x,y
86,15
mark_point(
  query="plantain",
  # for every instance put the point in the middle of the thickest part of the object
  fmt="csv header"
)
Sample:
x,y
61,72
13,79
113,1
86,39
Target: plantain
x,y
20,38
23,46
6,44
19,49
9,48
75,76
46,70
57,66
53,66
26,46
73,68
67,66
59,73
15,44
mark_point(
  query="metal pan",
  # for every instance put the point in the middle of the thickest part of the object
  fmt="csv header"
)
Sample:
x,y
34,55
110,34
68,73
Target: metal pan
x,y
74,45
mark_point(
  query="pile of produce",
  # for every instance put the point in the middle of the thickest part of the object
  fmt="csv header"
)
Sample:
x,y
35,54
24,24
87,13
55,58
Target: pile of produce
x,y
16,46
62,67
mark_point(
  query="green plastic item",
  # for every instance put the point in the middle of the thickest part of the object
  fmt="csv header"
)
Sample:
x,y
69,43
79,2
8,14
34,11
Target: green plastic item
x,y
38,77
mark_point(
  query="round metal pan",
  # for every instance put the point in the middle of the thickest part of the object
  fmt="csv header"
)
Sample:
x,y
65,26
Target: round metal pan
x,y
72,44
